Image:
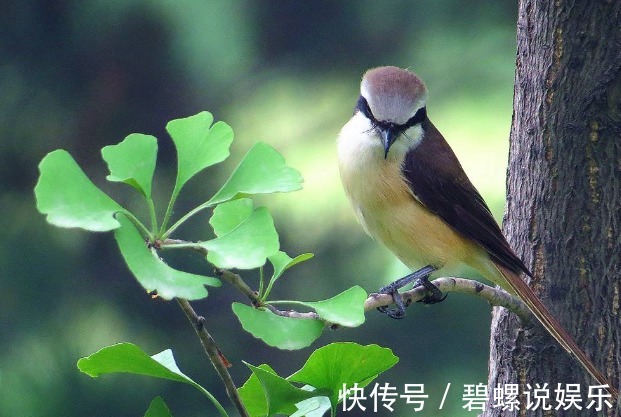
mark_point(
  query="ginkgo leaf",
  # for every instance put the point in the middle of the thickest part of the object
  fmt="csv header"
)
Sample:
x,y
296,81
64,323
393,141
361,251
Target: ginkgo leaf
x,y
281,262
247,246
345,309
262,171
132,161
69,199
199,144
227,216
281,332
158,408
153,273
280,394
344,363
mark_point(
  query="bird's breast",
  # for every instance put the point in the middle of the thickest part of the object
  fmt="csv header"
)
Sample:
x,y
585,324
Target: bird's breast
x,y
386,207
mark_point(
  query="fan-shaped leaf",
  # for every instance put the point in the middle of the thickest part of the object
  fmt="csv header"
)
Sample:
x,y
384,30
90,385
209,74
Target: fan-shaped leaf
x,y
262,171
132,161
153,273
69,199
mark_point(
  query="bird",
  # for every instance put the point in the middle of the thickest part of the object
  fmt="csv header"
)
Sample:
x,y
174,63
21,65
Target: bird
x,y
410,193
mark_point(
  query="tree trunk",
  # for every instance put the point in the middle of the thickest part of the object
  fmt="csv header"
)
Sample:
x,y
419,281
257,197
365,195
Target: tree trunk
x,y
564,201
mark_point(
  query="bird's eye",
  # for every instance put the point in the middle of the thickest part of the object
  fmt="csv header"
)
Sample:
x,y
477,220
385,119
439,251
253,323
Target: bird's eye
x,y
363,107
419,117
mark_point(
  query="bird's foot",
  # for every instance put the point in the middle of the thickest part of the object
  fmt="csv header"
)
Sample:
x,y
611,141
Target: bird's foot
x,y
435,296
419,277
397,312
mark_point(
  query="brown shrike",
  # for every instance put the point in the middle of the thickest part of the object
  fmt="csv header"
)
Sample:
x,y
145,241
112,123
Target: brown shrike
x,y
410,193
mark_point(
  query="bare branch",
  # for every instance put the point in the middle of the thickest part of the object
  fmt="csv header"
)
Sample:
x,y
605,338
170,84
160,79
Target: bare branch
x,y
446,285
214,354
225,274
492,295
237,281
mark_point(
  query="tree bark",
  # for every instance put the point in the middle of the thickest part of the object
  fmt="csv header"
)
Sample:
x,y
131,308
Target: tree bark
x,y
564,199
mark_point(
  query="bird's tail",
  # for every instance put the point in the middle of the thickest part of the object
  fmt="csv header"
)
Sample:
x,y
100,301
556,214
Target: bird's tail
x,y
540,311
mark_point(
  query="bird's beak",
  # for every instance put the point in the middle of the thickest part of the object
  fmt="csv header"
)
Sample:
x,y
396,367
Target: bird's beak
x,y
388,135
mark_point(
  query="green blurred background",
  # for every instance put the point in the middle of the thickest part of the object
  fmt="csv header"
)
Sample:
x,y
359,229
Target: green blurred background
x,y
80,75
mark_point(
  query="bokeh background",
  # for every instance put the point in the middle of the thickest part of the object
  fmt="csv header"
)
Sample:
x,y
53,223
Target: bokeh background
x,y
82,74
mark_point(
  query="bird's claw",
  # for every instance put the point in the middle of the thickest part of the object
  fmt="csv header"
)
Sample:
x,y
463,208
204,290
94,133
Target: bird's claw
x,y
433,299
420,278
436,296
397,312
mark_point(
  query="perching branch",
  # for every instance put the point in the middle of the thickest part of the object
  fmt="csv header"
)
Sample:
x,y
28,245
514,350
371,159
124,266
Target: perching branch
x,y
447,285
216,358
492,295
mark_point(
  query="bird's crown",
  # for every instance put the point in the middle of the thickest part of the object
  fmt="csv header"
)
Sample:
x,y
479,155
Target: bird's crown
x,y
393,94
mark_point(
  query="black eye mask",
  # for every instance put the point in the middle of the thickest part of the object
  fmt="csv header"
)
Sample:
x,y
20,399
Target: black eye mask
x,y
363,107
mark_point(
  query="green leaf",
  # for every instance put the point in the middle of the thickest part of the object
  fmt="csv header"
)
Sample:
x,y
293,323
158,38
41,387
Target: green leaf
x,y
252,395
132,161
153,273
281,262
281,396
313,407
69,199
199,144
262,171
129,358
158,408
227,216
281,332
331,366
248,245
346,308
254,398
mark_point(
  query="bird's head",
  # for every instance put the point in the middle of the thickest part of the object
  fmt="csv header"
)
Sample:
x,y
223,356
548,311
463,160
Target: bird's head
x,y
394,100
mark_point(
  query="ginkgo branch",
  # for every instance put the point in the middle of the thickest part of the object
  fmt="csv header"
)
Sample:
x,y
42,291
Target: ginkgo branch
x,y
215,356
494,296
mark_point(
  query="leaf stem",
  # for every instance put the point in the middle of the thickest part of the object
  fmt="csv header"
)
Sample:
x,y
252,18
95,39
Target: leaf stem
x,y
153,215
183,219
138,224
169,209
261,279
214,400
216,358
268,290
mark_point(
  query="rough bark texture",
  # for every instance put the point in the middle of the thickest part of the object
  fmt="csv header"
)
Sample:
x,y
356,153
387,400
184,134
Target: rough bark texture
x,y
564,197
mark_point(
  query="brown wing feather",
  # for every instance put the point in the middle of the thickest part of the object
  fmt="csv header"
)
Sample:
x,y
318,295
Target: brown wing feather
x,y
441,185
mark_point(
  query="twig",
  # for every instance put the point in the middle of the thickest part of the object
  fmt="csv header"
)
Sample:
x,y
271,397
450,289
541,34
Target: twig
x,y
237,281
214,354
492,295
225,274
446,284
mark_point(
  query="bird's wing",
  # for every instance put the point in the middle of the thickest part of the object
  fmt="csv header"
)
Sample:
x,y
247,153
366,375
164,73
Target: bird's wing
x,y
443,188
